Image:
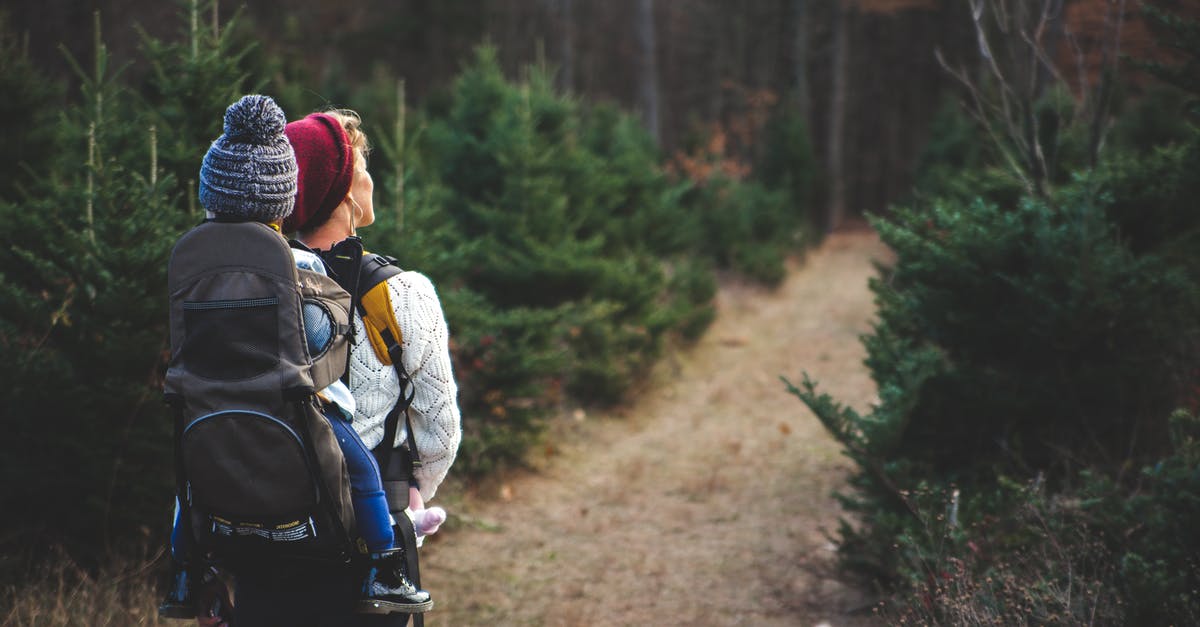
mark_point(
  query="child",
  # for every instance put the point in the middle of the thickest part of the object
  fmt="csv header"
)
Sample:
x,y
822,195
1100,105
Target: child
x,y
254,133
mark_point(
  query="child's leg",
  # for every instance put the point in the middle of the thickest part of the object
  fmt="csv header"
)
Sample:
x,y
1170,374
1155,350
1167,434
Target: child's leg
x,y
366,489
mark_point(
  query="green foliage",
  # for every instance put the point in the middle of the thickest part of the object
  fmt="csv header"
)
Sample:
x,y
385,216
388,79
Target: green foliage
x,y
1110,552
27,114
787,162
1043,332
746,227
958,162
1047,336
1149,528
1149,121
552,234
82,288
190,84
1182,37
1153,200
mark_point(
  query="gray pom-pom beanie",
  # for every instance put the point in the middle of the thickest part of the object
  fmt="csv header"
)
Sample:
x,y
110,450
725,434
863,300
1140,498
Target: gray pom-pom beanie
x,y
250,171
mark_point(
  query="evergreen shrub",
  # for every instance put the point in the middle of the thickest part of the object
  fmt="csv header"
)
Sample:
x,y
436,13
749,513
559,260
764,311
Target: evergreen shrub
x,y
1148,524
957,162
1013,341
1046,339
747,227
748,213
27,115
560,252
82,313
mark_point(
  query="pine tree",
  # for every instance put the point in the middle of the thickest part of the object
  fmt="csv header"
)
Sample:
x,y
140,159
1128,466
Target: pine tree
x,y
556,240
82,293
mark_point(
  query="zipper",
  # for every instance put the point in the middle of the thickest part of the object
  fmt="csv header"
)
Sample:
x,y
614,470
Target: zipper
x,y
241,303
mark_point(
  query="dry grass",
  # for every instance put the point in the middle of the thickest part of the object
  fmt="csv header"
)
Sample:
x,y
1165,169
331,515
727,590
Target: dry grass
x,y
63,594
702,502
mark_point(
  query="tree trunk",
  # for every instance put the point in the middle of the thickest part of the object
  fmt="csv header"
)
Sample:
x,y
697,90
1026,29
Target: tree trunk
x,y
837,117
800,60
566,51
648,77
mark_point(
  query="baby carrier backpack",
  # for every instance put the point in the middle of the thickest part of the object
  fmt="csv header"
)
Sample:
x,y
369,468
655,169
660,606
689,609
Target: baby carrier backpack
x,y
260,475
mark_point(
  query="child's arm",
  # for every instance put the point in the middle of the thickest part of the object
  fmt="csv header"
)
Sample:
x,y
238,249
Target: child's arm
x,y
415,502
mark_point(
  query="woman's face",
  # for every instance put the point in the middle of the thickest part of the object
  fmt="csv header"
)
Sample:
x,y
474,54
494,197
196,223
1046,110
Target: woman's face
x,y
362,188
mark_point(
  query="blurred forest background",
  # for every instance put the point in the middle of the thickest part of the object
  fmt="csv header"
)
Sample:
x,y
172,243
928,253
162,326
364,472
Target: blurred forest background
x,y
575,176
688,68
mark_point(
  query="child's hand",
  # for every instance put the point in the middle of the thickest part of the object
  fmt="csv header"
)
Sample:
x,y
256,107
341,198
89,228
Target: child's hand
x,y
425,521
428,521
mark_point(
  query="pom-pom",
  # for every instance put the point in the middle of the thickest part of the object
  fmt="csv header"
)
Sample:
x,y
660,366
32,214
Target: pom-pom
x,y
254,119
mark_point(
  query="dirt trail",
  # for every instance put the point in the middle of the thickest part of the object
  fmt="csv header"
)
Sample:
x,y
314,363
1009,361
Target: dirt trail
x,y
703,502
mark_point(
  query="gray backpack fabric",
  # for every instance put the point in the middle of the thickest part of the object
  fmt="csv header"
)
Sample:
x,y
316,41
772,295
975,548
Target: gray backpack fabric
x,y
260,472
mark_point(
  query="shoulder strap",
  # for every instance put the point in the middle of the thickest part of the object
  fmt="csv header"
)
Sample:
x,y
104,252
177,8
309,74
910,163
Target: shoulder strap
x,y
374,303
365,276
375,306
383,331
407,536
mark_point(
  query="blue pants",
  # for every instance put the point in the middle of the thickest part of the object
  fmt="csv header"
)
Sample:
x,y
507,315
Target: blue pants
x,y
366,488
366,492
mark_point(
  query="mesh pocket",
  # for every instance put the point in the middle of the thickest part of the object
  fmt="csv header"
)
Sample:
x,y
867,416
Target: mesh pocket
x,y
318,328
227,340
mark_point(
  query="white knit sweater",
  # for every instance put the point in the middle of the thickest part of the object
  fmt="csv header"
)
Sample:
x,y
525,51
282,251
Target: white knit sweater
x,y
434,411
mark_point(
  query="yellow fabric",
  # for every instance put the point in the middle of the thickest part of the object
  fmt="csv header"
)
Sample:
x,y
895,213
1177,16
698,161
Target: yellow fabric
x,y
379,315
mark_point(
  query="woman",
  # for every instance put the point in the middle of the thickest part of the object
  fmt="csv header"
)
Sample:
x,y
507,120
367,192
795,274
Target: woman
x,y
333,200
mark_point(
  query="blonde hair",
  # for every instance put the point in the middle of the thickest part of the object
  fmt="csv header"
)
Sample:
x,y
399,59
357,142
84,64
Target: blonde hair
x,y
352,123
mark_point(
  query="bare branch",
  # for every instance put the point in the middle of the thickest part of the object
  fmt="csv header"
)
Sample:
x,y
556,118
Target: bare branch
x,y
980,115
1017,42
1080,65
1110,59
1044,58
1006,91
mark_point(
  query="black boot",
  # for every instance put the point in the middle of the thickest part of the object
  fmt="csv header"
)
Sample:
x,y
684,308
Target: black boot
x,y
178,602
387,590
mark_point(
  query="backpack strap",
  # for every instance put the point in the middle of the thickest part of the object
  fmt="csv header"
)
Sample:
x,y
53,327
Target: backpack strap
x,y
407,535
373,299
365,276
387,340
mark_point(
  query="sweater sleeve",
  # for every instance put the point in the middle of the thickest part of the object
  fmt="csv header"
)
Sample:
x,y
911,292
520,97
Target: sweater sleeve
x,y
435,416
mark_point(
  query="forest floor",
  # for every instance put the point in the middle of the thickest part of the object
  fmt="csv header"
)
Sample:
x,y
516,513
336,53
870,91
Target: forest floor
x,y
706,500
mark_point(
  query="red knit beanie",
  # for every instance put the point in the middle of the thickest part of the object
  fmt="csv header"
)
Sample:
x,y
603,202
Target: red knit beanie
x,y
326,162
